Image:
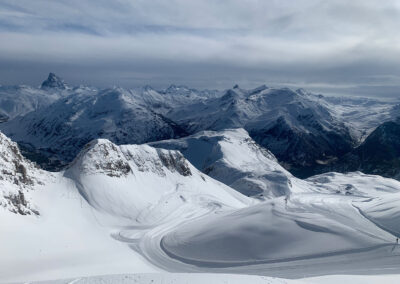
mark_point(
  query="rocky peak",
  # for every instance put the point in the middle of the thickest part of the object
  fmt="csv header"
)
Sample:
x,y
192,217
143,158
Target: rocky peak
x,y
17,177
53,81
103,157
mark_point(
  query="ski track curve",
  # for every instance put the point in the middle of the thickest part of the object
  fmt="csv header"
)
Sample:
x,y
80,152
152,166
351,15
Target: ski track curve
x,y
380,259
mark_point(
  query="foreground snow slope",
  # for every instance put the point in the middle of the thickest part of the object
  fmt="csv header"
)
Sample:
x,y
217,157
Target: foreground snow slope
x,y
76,216
323,231
384,211
273,231
233,158
135,208
175,278
194,278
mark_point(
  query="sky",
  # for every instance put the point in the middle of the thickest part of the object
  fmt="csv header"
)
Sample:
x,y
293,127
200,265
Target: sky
x,y
331,47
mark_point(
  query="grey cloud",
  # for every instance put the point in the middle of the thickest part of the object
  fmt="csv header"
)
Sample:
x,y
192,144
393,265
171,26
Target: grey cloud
x,y
336,46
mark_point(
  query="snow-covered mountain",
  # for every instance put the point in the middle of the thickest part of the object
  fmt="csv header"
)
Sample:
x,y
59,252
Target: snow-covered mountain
x,y
144,184
172,97
54,219
54,82
378,154
20,100
61,129
299,131
233,158
304,131
150,210
361,115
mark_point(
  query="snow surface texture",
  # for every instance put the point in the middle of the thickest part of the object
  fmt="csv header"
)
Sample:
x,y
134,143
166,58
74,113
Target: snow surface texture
x,y
233,158
181,278
136,208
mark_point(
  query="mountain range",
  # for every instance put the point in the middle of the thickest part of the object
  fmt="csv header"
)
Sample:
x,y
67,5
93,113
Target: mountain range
x,y
307,133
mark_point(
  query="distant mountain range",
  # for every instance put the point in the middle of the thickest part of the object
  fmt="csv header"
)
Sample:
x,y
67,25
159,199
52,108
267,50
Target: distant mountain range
x,y
307,133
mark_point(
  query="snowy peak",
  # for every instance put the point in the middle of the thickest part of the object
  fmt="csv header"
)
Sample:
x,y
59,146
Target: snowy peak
x,y
101,156
232,157
53,81
141,183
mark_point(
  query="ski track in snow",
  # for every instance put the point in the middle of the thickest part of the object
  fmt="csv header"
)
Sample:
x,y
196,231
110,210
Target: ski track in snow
x,y
379,259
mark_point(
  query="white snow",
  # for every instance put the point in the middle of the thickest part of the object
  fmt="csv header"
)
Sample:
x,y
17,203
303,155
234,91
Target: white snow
x,y
176,278
139,209
233,158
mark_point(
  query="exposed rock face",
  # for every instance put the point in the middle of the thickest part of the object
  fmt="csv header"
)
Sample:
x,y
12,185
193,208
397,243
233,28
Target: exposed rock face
x,y
174,161
103,157
17,177
379,154
53,81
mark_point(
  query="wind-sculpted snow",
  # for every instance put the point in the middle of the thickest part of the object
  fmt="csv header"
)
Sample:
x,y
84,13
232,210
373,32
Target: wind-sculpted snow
x,y
383,211
268,232
135,208
233,158
355,183
173,278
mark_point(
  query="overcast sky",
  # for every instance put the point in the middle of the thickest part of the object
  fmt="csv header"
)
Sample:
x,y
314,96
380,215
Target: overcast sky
x,y
337,47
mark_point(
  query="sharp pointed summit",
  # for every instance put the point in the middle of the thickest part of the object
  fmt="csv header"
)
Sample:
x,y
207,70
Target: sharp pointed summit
x,y
53,81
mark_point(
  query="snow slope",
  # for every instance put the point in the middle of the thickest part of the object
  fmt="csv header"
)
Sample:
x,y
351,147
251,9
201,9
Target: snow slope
x,y
384,211
145,185
312,233
20,100
175,278
361,115
135,208
269,232
48,230
81,211
233,158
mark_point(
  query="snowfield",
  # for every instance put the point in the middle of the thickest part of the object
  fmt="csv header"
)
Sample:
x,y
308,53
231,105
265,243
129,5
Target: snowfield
x,y
136,213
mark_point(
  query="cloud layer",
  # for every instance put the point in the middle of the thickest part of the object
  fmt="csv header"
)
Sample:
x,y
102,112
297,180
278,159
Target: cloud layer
x,y
349,47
